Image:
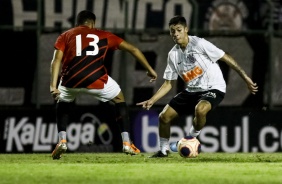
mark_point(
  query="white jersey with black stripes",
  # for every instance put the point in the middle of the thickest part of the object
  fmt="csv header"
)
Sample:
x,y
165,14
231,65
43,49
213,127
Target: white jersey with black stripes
x,y
197,65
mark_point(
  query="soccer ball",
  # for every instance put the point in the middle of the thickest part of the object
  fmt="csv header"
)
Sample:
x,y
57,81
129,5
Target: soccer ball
x,y
189,147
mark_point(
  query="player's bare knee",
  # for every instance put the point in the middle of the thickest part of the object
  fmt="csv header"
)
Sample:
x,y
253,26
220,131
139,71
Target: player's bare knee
x,y
202,109
163,118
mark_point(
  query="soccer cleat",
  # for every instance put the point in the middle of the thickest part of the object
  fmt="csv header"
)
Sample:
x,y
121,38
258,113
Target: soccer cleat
x,y
61,148
159,154
129,148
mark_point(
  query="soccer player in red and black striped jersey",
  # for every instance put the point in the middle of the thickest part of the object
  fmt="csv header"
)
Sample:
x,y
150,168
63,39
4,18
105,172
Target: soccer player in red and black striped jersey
x,y
79,58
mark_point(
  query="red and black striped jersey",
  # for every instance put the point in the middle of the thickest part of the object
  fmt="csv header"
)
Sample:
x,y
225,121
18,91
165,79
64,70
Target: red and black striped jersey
x,y
84,51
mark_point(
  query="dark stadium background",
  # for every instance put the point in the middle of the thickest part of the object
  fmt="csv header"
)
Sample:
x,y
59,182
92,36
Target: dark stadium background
x,y
26,51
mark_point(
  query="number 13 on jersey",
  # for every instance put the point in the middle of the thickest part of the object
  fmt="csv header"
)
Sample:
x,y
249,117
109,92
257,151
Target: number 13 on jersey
x,y
92,43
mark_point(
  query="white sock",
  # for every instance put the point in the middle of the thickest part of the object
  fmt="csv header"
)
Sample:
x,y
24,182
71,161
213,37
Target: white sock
x,y
164,145
62,135
193,132
125,137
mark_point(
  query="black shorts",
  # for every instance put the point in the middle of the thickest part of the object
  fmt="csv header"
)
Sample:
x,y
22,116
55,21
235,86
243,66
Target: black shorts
x,y
184,102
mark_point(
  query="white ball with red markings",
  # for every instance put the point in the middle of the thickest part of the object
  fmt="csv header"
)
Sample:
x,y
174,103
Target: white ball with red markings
x,y
189,147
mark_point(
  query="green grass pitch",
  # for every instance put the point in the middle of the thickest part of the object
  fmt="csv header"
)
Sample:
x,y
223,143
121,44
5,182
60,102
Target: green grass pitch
x,y
104,168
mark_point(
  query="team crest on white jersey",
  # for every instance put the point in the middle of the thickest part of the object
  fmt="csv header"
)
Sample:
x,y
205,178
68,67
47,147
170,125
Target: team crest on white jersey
x,y
191,58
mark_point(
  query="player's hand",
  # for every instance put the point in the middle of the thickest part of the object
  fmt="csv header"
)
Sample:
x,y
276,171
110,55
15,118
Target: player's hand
x,y
153,75
146,104
253,88
55,94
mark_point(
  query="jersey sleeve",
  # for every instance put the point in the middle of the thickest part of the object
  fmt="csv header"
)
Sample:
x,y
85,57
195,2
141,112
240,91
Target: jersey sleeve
x,y
60,44
170,71
213,52
114,41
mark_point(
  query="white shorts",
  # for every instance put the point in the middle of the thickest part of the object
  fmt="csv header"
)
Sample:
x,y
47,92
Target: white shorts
x,y
110,90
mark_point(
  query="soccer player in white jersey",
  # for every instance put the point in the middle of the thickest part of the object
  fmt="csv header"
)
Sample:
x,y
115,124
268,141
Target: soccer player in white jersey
x,y
195,60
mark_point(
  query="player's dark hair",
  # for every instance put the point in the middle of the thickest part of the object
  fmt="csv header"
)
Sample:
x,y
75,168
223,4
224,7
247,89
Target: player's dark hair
x,y
83,16
177,20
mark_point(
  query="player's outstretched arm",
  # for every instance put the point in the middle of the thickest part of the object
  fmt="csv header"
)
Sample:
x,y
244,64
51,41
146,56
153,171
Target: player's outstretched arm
x,y
135,52
163,90
253,88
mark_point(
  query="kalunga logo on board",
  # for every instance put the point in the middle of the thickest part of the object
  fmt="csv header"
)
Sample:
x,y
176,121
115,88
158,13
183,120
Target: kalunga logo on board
x,y
21,132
